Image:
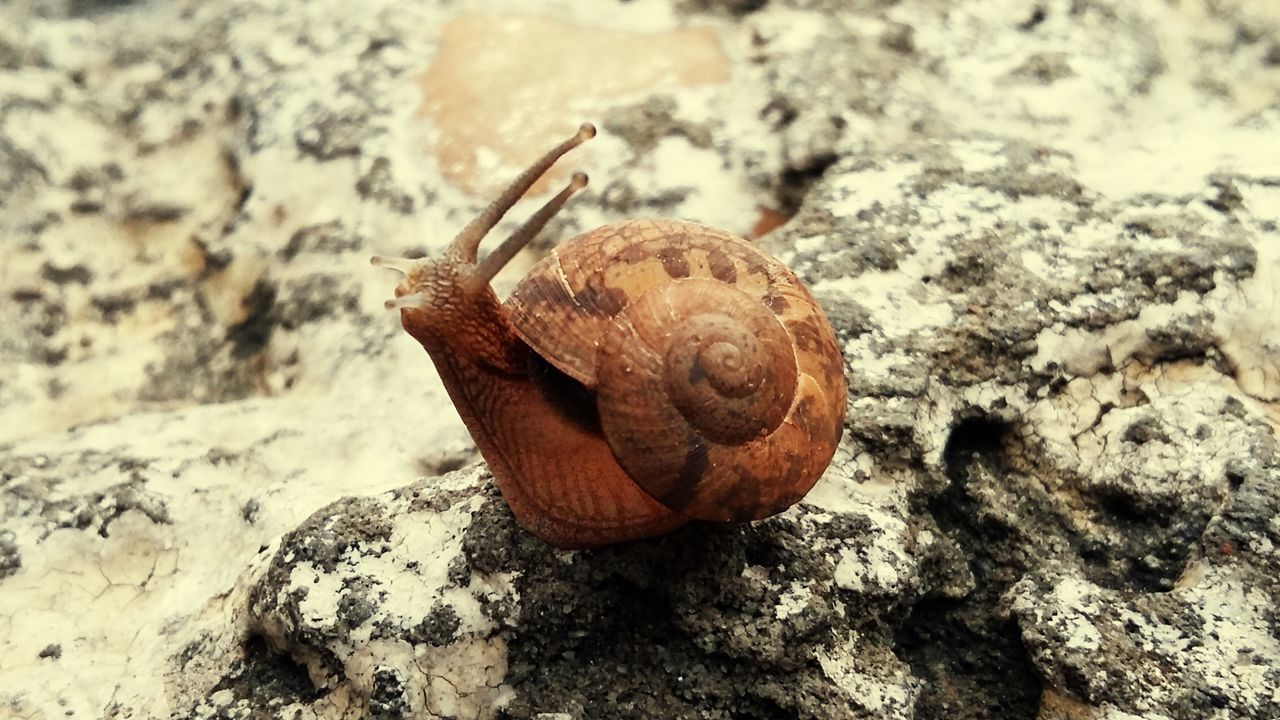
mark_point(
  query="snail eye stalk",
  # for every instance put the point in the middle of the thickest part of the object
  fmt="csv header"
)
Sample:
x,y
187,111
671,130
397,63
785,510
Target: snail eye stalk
x,y
467,244
502,255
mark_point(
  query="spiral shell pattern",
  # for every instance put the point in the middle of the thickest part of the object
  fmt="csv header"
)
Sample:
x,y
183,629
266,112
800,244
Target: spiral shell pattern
x,y
719,385
722,361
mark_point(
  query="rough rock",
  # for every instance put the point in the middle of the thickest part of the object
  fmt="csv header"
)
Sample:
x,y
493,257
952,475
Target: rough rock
x,y
1048,236
430,599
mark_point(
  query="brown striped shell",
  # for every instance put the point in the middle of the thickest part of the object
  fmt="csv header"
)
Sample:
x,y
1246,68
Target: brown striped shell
x,y
718,381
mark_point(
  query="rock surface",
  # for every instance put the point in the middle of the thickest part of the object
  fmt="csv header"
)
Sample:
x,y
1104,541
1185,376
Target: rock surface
x,y
1048,235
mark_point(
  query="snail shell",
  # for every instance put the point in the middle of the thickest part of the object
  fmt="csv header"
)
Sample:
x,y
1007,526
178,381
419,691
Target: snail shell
x,y
718,382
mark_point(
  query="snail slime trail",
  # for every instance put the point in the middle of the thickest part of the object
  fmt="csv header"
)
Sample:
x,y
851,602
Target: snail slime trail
x,y
643,374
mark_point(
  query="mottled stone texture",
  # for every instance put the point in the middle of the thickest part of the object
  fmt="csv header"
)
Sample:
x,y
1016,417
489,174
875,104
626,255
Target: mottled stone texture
x,y
1048,237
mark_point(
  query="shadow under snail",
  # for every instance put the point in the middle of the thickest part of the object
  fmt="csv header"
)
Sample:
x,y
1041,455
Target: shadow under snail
x,y
642,375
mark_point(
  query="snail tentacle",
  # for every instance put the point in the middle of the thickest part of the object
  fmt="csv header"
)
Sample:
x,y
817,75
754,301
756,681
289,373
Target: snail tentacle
x,y
496,260
402,265
467,243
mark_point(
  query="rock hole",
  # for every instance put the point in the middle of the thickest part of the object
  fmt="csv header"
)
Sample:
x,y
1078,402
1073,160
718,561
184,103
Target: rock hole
x,y
972,660
1140,544
794,184
264,678
253,333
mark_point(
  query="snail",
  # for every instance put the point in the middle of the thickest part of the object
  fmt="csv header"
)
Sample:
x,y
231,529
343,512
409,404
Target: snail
x,y
642,375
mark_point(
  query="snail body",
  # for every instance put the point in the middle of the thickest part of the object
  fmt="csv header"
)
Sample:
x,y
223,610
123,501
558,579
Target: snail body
x,y
642,375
